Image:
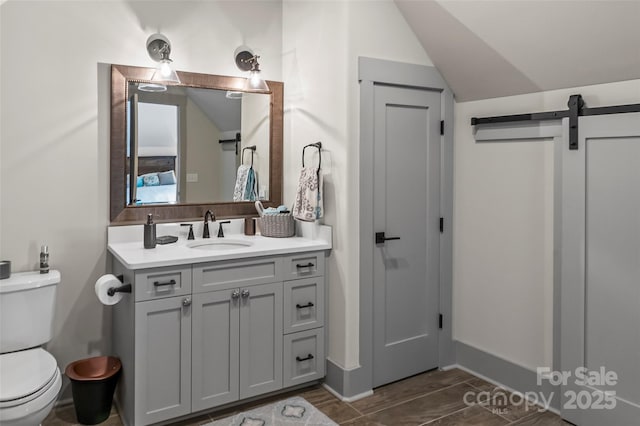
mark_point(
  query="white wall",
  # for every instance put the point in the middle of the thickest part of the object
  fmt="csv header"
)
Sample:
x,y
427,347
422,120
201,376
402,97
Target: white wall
x,y
54,132
503,228
203,156
321,45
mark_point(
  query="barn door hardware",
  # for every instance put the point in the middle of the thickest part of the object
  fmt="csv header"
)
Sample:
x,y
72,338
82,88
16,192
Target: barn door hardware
x,y
576,109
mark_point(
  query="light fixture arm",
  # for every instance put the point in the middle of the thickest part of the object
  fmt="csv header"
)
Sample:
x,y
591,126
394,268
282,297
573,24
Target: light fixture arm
x,y
247,61
158,47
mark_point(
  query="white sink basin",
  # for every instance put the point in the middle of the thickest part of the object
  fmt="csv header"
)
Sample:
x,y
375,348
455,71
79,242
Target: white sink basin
x,y
221,244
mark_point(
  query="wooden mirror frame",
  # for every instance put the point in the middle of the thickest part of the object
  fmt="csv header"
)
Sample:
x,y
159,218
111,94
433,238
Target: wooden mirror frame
x,y
120,213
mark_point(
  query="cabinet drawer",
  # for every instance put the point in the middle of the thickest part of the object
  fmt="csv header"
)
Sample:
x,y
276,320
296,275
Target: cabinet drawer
x,y
162,282
303,304
303,357
303,265
236,273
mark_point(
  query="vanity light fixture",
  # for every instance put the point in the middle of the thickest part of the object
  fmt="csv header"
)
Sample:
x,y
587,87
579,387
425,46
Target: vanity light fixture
x,y
246,60
159,49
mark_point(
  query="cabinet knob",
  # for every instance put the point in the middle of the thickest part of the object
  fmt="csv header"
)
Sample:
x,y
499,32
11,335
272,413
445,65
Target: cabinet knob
x,y
186,301
245,293
235,294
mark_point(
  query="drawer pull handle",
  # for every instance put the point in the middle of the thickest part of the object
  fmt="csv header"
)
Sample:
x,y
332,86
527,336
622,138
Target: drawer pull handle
x,y
159,284
308,357
308,265
308,305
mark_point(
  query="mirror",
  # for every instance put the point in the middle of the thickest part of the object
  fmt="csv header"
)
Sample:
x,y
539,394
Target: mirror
x,y
185,146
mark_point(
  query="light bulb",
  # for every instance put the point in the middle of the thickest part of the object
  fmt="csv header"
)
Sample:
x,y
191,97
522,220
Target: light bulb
x,y
165,74
255,82
165,68
255,78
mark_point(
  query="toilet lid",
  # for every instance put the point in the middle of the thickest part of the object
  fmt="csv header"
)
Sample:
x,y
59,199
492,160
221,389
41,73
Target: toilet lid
x,y
25,372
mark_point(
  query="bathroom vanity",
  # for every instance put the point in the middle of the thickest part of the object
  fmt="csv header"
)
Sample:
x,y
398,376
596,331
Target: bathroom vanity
x,y
214,321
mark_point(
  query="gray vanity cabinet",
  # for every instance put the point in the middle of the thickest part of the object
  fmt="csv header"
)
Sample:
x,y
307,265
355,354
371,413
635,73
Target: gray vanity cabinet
x,y
194,337
163,359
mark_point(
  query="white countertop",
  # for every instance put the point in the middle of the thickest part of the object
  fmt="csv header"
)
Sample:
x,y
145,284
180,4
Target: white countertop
x,y
125,243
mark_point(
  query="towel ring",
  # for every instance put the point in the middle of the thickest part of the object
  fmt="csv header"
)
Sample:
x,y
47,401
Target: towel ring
x,y
252,148
317,145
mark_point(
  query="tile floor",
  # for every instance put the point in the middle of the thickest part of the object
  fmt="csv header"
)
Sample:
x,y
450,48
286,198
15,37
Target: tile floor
x,y
435,398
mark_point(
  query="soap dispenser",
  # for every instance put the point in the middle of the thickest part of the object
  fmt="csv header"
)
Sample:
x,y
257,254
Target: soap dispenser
x,y
149,233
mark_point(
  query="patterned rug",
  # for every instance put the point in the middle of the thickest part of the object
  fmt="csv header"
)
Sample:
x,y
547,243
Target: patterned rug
x,y
293,411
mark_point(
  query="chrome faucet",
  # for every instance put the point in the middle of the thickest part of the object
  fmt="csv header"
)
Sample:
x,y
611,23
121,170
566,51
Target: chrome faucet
x,y
208,215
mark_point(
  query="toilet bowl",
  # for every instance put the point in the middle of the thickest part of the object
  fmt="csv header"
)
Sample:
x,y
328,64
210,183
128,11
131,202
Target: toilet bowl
x,y
29,376
29,384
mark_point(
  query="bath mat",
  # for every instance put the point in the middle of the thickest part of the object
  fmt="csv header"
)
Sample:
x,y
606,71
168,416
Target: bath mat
x,y
293,412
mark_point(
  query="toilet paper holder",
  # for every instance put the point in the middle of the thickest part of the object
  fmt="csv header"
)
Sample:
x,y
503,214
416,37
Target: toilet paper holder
x,y
125,288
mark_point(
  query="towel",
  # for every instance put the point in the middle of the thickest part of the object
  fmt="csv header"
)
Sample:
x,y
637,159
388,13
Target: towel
x,y
241,182
246,188
274,210
251,189
308,205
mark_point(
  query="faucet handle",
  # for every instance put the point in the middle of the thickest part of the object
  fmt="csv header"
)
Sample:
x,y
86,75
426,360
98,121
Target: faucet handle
x,y
190,225
220,231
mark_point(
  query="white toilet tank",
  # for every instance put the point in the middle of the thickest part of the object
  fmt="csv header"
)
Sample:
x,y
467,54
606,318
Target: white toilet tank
x,y
27,301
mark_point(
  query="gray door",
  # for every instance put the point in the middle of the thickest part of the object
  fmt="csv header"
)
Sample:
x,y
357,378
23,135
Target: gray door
x,y
600,272
406,206
260,339
163,359
215,364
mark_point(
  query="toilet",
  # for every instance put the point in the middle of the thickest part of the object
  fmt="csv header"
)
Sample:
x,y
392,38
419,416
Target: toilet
x,y
29,376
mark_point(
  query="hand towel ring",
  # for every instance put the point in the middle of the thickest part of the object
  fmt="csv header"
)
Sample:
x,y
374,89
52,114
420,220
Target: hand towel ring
x,y
317,145
252,148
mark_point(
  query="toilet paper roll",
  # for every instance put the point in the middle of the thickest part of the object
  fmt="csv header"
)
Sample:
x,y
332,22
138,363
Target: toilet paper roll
x,y
103,285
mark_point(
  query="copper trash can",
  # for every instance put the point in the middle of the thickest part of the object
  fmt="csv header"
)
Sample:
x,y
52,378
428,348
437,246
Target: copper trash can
x,y
93,381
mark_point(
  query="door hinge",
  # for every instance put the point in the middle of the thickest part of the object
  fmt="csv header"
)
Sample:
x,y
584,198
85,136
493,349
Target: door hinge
x,y
441,224
440,319
442,127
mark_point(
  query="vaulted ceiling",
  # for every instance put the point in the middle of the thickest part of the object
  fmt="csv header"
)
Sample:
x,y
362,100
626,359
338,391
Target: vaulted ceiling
x,y
486,49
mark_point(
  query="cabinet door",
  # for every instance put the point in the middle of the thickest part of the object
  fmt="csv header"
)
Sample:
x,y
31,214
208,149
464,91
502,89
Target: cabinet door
x,y
260,339
215,370
163,359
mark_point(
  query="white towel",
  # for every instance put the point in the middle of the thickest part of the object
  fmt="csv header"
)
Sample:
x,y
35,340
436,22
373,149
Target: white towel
x,y
308,205
241,182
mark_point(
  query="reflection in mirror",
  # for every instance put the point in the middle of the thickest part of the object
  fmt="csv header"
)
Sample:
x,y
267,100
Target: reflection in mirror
x,y
196,178
184,145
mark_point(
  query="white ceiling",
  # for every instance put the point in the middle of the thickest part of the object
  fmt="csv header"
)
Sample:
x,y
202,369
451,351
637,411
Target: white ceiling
x,y
486,49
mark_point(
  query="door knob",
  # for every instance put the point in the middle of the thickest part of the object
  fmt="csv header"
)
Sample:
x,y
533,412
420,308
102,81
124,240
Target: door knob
x,y
186,301
235,294
381,238
245,293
